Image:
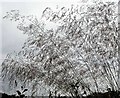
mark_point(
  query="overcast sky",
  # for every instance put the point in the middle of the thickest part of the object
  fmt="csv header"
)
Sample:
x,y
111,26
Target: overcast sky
x,y
11,39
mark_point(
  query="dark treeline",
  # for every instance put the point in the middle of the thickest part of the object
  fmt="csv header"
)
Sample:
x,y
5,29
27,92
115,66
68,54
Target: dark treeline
x,y
109,94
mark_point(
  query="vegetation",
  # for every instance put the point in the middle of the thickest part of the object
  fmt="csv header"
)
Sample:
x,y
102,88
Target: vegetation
x,y
20,94
110,94
80,54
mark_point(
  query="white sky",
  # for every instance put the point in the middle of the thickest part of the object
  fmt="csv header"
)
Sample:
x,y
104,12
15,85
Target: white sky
x,y
11,39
